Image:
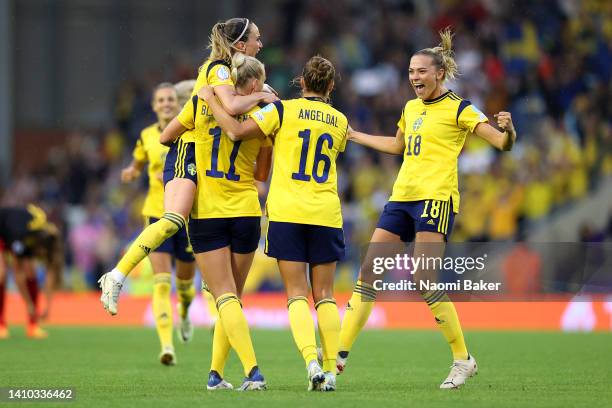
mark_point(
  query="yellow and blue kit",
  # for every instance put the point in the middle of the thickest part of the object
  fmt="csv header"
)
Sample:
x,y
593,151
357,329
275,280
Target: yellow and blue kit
x,y
426,192
303,204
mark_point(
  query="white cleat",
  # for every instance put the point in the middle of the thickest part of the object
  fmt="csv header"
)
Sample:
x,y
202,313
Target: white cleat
x,y
315,376
185,328
329,384
167,356
110,293
460,371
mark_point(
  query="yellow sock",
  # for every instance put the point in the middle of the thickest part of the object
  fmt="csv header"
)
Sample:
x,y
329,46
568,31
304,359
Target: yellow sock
x,y
237,329
220,349
356,315
329,331
149,239
302,327
185,292
448,321
162,309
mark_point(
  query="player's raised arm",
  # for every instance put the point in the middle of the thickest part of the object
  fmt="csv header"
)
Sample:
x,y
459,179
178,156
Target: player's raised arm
x,y
385,144
172,132
235,130
235,104
500,140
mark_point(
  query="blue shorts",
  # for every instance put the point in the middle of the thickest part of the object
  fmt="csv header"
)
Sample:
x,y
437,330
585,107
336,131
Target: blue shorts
x,y
177,245
409,217
181,162
313,244
241,234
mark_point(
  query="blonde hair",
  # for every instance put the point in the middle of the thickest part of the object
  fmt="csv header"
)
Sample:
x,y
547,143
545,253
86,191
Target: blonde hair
x,y
225,35
184,89
443,55
245,68
318,74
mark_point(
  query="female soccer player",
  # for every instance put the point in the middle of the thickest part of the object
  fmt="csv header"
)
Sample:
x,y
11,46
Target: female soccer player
x,y
224,227
425,197
149,149
234,35
25,234
303,205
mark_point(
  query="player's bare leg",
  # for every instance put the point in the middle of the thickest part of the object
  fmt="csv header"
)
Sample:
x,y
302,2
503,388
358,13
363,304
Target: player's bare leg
x,y
362,300
216,268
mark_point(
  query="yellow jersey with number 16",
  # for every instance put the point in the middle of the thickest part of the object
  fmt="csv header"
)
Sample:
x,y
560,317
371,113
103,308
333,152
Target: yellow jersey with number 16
x,y
308,135
434,133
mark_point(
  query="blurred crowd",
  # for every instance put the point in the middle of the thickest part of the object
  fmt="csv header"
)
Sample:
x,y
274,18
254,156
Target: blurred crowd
x,y
548,62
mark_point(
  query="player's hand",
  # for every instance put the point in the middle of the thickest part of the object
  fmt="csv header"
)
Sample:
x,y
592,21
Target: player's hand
x,y
350,133
267,88
504,121
206,92
129,174
267,97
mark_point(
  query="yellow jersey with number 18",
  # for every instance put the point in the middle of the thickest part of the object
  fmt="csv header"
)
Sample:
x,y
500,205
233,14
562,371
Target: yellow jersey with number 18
x,y
434,133
308,135
148,149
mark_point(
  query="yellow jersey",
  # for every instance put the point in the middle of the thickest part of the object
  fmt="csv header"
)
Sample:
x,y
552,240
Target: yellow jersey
x,y
308,135
213,73
226,183
148,149
434,134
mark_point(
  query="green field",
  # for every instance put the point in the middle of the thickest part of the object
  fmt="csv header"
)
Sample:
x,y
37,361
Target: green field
x,y
119,367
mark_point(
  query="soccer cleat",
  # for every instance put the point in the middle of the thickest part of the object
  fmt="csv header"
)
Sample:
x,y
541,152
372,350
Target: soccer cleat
x,y
460,371
341,361
185,328
254,382
215,382
110,293
315,376
167,356
329,384
4,333
34,331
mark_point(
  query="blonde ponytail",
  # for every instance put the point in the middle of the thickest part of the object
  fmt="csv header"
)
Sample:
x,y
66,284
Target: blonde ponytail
x,y
225,35
245,68
220,47
443,55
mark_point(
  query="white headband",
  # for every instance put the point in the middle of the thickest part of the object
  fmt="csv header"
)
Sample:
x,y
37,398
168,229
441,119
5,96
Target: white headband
x,y
242,33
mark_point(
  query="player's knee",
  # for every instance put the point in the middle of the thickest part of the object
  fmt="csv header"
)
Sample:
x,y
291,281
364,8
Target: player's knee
x,y
171,223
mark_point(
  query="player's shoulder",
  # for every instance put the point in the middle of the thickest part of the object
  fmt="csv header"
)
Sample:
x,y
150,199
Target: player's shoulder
x,y
150,132
216,68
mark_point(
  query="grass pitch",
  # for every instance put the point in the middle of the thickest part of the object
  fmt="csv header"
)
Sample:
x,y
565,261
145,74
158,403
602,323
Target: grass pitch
x,y
112,367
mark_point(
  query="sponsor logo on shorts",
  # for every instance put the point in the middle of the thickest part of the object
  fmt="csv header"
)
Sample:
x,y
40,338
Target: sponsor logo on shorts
x,y
191,169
